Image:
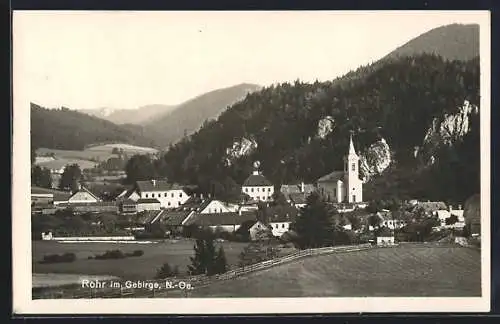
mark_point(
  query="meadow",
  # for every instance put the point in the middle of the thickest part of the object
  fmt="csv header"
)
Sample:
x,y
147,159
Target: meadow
x,y
405,271
176,253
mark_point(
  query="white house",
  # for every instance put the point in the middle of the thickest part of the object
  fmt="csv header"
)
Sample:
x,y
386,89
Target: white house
x,y
385,237
228,222
83,196
280,218
208,205
169,195
443,215
258,187
256,228
343,186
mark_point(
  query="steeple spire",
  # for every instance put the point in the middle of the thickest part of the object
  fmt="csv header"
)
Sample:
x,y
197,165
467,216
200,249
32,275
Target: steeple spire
x,y
351,145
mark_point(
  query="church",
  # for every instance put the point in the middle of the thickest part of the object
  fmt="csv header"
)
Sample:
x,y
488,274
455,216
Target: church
x,y
343,186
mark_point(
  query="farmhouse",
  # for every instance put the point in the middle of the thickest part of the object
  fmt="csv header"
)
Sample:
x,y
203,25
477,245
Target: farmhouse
x,y
343,186
227,222
127,206
94,207
169,195
256,229
280,218
388,220
83,196
445,215
43,196
208,206
258,187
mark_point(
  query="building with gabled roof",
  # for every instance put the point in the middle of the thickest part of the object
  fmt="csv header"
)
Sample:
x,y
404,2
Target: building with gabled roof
x,y
170,195
83,196
258,187
343,186
228,222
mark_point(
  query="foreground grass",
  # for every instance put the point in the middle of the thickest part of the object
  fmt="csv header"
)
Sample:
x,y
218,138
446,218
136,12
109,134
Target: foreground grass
x,y
143,267
411,271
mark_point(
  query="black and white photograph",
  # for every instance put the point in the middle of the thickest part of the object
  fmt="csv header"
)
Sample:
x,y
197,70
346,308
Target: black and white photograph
x,y
198,162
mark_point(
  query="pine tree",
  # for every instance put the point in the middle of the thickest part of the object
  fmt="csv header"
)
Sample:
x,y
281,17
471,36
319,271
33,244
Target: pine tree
x,y
198,264
220,261
210,256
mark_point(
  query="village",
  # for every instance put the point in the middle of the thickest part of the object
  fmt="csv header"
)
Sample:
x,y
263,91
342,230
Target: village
x,y
157,208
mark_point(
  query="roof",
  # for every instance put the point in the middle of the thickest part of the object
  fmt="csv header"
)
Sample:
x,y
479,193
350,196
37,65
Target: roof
x,y
298,198
173,217
332,177
147,216
385,232
157,185
128,202
90,204
148,201
196,203
221,219
83,189
430,206
256,180
296,188
282,214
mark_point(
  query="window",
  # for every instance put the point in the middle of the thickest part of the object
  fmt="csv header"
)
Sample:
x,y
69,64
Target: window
x,y
353,167
169,203
172,195
246,189
180,195
354,198
269,189
146,195
282,225
251,189
277,225
152,195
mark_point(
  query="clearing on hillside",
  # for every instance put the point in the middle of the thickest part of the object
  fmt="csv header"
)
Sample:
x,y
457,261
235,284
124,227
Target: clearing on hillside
x,y
404,271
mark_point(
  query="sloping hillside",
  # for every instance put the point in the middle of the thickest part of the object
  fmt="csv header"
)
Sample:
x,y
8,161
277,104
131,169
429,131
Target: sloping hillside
x,y
452,42
189,116
71,130
130,116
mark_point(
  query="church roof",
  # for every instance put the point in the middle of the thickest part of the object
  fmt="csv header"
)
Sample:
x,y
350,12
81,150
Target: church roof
x,y
351,147
332,177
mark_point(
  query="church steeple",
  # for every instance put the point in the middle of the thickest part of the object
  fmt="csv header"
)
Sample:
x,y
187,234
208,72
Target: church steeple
x,y
351,146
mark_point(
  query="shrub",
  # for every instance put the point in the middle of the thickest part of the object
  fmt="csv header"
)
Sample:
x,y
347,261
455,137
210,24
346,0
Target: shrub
x,y
166,271
109,255
56,258
136,253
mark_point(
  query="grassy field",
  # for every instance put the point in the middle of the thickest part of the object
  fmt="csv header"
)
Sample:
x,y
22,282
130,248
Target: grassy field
x,y
143,267
409,271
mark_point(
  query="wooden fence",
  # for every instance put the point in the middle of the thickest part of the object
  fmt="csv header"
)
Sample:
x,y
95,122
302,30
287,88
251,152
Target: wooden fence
x,y
194,281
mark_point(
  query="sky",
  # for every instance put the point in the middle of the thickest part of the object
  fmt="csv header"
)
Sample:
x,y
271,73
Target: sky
x,y
124,59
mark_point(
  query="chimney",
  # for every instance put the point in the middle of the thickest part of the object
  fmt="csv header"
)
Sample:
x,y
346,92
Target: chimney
x,y
153,182
255,172
201,196
450,207
209,195
302,187
459,207
239,211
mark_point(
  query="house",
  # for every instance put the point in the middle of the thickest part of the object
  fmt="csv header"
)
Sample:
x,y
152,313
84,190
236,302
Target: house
x,y
172,220
297,200
257,228
228,222
83,196
258,187
388,220
343,186
279,218
129,193
169,195
297,194
385,237
443,215
428,208
147,204
208,205
43,196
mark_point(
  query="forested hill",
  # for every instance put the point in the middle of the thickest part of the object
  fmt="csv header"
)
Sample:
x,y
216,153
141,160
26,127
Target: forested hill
x,y
188,117
71,130
399,100
452,42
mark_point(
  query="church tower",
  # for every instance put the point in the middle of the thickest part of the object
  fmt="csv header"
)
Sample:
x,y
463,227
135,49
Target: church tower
x,y
353,186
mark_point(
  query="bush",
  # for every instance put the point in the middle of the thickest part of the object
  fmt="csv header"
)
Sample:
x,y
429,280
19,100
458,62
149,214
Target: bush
x,y
56,258
136,253
110,255
166,271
